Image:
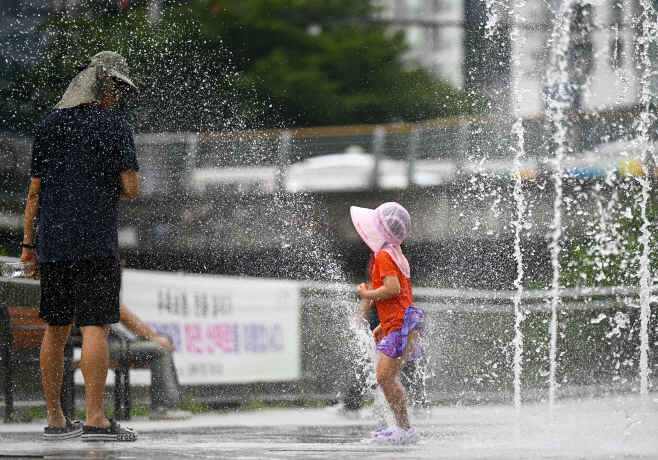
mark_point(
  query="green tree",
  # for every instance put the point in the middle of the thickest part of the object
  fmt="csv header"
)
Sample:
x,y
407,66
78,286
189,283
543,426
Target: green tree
x,y
209,65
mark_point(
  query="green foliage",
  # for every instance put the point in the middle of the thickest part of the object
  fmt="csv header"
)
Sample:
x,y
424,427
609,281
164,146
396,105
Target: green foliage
x,y
29,414
238,64
80,413
140,410
595,346
190,405
613,258
137,409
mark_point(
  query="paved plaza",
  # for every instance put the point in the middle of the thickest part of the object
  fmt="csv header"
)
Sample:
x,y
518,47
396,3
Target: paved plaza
x,y
589,428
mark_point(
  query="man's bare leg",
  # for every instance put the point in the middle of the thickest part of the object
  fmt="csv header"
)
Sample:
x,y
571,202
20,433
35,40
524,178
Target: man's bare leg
x,y
52,371
94,363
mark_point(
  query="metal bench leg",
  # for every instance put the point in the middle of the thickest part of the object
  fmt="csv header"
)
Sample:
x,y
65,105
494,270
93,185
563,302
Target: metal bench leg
x,y
8,362
121,394
118,397
122,385
67,395
126,392
9,394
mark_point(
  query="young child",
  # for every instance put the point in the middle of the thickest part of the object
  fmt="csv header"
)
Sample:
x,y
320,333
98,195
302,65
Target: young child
x,y
398,335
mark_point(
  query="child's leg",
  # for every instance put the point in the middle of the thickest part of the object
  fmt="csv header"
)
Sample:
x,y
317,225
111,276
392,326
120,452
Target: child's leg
x,y
388,373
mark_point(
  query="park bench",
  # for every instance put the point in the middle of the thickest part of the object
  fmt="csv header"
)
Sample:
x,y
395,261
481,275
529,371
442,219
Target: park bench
x,y
22,332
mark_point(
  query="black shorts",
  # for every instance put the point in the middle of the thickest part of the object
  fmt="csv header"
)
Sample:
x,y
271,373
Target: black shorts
x,y
87,290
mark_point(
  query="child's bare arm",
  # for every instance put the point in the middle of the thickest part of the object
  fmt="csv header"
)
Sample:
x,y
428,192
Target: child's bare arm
x,y
390,289
377,333
362,312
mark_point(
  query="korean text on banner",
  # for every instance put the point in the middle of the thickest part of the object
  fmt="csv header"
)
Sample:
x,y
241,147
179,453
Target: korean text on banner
x,y
226,330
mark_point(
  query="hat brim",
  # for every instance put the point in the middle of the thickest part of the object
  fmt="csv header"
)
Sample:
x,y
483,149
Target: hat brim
x,y
362,218
84,87
116,74
132,94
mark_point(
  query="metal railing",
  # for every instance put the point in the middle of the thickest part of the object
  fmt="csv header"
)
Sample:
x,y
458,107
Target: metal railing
x,y
419,154
402,154
469,335
467,343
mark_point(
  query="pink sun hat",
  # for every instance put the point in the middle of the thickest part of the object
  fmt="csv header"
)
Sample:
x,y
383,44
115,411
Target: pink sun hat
x,y
388,224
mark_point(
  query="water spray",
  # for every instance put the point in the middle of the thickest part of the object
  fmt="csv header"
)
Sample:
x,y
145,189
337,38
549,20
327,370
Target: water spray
x,y
649,28
518,38
558,82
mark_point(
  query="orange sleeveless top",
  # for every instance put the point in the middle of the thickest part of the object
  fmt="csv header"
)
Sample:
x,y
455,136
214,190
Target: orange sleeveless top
x,y
391,311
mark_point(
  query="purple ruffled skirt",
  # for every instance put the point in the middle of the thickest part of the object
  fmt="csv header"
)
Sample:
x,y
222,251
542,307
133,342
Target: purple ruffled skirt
x,y
395,342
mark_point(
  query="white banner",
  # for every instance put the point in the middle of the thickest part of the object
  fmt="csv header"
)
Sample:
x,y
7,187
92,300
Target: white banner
x,y
225,329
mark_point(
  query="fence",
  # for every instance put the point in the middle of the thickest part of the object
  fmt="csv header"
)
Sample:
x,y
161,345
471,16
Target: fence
x,y
190,179
391,156
398,155
467,344
469,337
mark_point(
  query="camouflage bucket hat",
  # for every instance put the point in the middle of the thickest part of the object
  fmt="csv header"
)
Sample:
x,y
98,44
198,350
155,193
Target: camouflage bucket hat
x,y
96,77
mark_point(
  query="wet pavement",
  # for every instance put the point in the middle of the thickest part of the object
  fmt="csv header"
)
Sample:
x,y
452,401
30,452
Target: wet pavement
x,y
590,428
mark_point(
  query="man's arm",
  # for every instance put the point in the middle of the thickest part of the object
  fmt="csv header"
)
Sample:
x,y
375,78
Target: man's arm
x,y
30,224
130,184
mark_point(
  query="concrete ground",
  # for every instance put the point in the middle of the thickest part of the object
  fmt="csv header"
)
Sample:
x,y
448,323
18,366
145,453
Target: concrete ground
x,y
590,428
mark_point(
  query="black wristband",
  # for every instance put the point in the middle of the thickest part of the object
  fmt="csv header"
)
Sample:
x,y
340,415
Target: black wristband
x,y
28,246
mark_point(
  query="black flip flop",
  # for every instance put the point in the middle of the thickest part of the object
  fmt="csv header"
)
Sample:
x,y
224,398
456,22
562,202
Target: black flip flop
x,y
114,432
72,429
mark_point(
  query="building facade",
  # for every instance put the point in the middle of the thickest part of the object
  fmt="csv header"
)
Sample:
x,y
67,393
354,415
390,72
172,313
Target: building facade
x,y
471,44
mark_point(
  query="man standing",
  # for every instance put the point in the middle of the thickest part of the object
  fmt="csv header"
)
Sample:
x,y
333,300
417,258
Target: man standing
x,y
83,161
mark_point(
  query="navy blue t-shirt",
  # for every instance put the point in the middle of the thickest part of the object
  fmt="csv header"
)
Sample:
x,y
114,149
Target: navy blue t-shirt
x,y
78,155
